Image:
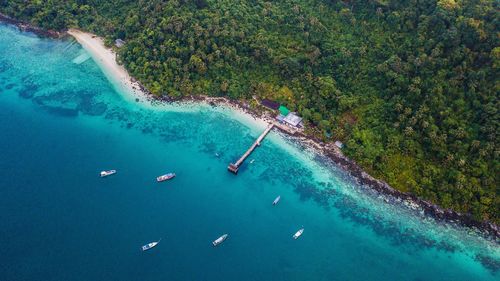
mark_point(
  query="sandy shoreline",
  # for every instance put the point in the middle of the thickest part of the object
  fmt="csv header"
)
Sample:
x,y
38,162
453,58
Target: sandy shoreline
x,y
106,59
135,92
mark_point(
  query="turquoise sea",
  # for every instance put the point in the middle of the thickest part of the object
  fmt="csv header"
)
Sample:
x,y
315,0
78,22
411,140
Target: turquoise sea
x,y
62,122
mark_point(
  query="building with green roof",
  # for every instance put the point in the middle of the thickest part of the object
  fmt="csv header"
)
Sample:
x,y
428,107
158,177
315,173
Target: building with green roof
x,y
283,110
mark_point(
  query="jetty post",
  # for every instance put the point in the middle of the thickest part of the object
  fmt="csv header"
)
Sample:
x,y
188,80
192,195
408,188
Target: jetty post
x,y
234,167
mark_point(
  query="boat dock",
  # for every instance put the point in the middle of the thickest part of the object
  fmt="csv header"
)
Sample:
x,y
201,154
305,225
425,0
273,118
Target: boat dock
x,y
233,167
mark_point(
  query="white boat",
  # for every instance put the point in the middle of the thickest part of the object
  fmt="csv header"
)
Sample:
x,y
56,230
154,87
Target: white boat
x,y
298,233
251,161
220,240
276,200
150,245
165,177
107,173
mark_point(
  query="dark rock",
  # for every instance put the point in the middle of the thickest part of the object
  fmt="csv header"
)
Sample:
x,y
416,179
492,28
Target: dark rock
x,y
55,106
489,262
24,26
29,88
4,66
26,93
487,228
94,109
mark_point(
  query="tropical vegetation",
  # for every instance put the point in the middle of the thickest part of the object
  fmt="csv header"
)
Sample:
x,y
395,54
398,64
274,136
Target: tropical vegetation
x,y
410,86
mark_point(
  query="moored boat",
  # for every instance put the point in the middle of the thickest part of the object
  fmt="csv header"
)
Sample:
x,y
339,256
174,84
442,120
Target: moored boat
x,y
107,173
220,240
165,177
298,233
276,200
150,245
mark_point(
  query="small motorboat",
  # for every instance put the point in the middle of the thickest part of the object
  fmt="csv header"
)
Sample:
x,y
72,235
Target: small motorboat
x,y
251,161
217,154
165,177
276,200
298,233
107,173
150,245
220,240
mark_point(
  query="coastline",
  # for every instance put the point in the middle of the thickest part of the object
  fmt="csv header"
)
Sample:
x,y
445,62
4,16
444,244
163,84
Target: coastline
x,y
97,49
106,59
27,27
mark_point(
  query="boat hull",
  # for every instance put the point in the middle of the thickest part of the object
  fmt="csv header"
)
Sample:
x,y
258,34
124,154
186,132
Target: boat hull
x,y
219,240
149,246
165,177
298,234
107,173
276,200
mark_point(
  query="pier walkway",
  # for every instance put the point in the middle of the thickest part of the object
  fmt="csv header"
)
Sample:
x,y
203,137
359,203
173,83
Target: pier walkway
x,y
233,167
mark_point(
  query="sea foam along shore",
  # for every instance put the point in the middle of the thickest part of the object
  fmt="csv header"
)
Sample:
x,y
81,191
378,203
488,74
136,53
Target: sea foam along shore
x,y
135,92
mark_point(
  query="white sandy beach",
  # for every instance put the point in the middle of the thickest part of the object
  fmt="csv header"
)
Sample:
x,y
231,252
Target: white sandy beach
x,y
106,59
131,90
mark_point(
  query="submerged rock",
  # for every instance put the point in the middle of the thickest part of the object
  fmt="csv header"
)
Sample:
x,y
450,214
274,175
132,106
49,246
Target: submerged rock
x,y
4,66
489,262
29,90
94,109
54,105
26,93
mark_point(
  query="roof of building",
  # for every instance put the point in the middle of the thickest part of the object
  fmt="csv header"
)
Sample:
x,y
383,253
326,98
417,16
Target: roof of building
x,y
283,110
119,42
293,119
280,117
269,103
339,144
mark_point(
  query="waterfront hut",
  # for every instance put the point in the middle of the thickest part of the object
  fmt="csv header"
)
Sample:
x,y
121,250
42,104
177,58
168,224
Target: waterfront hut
x,y
339,144
119,43
281,118
293,120
284,110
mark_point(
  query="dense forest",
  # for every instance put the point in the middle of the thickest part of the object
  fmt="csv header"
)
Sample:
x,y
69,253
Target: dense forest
x,y
411,86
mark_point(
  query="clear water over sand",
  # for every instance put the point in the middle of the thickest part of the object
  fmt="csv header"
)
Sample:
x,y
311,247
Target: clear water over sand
x,y
62,122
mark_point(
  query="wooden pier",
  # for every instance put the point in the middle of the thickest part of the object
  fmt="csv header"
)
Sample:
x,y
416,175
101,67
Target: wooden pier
x,y
233,167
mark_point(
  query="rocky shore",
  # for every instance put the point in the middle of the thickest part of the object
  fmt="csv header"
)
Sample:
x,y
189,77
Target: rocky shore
x,y
24,26
489,229
329,150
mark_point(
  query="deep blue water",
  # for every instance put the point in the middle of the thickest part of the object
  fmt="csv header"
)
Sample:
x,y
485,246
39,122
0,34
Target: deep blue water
x,y
62,121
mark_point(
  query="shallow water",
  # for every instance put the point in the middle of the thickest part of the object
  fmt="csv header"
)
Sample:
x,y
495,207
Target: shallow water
x,y
62,121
